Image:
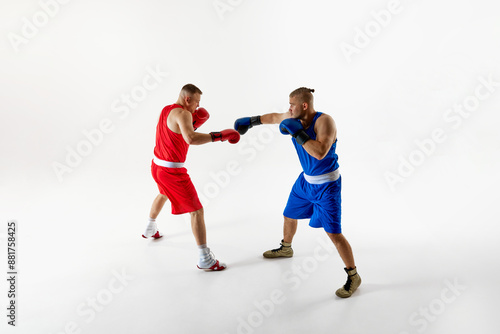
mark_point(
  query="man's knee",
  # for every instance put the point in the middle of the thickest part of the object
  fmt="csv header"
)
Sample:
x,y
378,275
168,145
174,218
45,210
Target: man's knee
x,y
197,212
336,237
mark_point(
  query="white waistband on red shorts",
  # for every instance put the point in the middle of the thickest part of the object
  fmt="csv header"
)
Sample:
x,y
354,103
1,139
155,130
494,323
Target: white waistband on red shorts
x,y
168,164
323,178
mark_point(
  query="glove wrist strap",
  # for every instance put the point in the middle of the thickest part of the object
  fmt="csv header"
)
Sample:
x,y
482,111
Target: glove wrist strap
x,y
255,120
216,136
301,137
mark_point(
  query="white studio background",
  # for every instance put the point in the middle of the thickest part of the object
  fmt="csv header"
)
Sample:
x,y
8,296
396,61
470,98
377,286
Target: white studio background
x,y
414,87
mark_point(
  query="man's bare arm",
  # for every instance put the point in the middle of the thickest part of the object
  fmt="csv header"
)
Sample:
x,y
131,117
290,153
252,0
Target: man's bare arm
x,y
326,134
274,118
243,124
184,120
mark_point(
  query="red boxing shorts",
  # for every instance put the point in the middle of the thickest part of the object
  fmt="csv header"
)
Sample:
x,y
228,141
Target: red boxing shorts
x,y
176,184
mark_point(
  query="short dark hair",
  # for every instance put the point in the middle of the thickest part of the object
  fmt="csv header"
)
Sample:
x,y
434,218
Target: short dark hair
x,y
304,94
191,89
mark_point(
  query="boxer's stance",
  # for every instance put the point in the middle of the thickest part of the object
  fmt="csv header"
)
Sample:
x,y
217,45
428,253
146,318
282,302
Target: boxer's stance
x,y
316,193
174,133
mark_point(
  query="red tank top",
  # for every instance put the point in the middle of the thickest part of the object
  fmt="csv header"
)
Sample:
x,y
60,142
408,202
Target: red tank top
x,y
170,146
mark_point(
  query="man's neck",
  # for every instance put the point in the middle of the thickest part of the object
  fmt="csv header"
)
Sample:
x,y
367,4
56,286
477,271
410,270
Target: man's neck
x,y
308,118
180,103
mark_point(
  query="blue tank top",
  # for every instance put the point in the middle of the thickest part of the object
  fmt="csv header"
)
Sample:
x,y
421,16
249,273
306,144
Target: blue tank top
x,y
311,165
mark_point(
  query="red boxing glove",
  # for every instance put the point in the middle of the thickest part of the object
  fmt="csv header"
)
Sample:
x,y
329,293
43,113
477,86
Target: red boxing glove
x,y
200,116
232,136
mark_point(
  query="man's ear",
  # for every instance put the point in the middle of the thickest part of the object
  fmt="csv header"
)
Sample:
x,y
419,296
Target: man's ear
x,y
304,106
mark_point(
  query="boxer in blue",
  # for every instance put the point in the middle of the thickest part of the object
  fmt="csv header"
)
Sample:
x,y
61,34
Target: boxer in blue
x,y
316,193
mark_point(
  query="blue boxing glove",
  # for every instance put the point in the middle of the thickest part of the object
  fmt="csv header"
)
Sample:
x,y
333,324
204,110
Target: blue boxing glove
x,y
292,126
243,124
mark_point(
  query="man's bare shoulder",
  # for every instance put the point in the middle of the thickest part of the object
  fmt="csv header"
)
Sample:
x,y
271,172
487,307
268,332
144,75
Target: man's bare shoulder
x,y
177,118
178,111
325,119
178,114
325,126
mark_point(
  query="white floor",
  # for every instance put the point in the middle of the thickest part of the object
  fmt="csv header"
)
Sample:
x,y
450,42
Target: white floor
x,y
84,268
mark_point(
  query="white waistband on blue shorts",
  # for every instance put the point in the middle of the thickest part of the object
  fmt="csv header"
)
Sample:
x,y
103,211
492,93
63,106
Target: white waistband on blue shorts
x,y
323,178
168,164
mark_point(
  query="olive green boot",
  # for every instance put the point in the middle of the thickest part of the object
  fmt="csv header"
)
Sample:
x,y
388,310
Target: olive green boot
x,y
353,282
284,251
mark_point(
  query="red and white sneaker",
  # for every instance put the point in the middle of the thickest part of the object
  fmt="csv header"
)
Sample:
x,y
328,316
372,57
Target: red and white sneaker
x,y
216,267
152,232
157,235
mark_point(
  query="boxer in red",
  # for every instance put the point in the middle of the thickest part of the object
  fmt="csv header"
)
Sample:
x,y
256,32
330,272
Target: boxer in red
x,y
174,133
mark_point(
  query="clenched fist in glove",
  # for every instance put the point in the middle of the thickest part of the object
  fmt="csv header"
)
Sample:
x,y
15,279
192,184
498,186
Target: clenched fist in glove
x,y
243,124
292,126
232,136
200,116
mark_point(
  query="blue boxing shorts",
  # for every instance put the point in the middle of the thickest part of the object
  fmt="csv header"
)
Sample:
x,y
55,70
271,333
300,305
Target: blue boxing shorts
x,y
320,202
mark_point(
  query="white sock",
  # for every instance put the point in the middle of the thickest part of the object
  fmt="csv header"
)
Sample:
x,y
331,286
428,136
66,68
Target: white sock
x,y
151,228
206,258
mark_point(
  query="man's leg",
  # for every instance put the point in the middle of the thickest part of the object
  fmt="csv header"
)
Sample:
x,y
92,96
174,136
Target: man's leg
x,y
207,260
152,228
345,252
289,229
198,227
299,206
157,206
285,250
344,249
